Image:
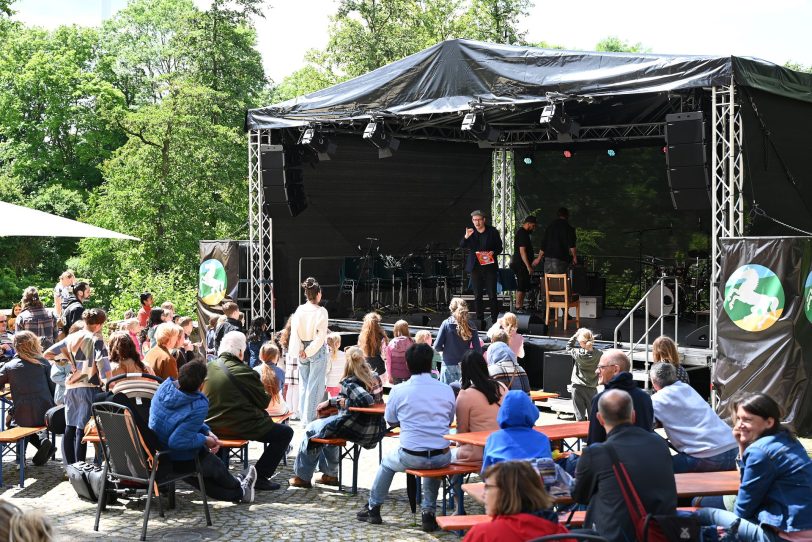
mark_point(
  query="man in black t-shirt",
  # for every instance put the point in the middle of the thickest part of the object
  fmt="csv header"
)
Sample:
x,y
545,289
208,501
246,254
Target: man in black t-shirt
x,y
522,260
484,244
558,246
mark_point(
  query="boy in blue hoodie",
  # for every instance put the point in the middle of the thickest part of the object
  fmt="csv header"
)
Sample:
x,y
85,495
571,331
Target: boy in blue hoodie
x,y
177,417
516,439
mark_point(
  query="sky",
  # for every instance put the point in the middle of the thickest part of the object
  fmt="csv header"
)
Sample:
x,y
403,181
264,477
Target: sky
x,y
777,31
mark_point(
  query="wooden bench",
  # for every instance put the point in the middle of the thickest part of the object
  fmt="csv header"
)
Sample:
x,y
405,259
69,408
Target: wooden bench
x,y
446,474
464,523
16,435
349,450
238,449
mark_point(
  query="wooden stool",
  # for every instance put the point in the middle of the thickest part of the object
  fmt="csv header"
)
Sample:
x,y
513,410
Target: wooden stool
x,y
445,474
237,449
349,450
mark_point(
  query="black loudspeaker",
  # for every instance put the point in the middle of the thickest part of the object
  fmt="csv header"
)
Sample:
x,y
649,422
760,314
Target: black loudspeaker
x,y
283,178
533,365
687,161
699,338
558,373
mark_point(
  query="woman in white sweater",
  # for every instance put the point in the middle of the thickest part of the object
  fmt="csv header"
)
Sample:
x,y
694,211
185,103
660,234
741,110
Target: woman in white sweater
x,y
308,332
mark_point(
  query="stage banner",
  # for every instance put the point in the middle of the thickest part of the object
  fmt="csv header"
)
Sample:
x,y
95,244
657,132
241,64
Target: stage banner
x,y
218,278
764,327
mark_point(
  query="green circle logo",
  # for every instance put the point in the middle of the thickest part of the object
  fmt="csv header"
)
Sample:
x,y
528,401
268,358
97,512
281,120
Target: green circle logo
x,y
754,297
212,283
808,297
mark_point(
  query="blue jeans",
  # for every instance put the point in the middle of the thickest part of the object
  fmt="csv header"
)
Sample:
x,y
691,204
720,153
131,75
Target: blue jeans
x,y
400,461
688,463
748,532
325,457
312,383
450,373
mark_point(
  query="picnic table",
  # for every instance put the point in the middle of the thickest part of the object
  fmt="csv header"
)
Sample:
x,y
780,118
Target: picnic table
x,y
378,408
689,484
541,395
559,431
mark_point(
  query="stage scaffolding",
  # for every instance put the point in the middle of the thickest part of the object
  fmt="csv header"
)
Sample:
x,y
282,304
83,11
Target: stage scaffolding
x,y
260,233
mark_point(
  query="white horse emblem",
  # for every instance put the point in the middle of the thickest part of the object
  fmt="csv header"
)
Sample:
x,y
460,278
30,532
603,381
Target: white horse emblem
x,y
761,305
210,280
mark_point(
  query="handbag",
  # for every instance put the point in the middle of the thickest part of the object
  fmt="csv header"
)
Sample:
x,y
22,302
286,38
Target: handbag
x,y
651,527
87,479
55,419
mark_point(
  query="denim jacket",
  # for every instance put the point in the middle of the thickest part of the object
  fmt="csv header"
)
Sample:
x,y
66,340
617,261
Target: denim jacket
x,y
776,484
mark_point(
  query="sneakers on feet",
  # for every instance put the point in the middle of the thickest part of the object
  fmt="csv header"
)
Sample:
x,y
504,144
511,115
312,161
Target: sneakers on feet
x,y
429,522
249,480
264,484
298,482
328,480
370,515
44,452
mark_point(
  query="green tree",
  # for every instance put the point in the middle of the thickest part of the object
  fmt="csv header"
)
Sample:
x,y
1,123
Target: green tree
x,y
613,44
797,67
497,20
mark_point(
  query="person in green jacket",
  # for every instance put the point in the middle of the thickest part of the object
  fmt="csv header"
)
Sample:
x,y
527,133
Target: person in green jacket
x,y
581,347
237,407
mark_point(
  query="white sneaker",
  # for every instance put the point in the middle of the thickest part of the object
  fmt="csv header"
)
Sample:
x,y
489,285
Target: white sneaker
x,y
248,481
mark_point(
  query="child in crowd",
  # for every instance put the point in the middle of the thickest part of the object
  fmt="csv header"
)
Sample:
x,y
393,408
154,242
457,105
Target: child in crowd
x,y
335,364
396,366
456,336
211,335
424,337
581,347
665,349
257,336
291,388
272,377
372,340
133,329
510,324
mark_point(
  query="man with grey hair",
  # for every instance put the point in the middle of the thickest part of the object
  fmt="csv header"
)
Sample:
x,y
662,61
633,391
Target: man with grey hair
x,y
614,373
703,441
646,458
237,407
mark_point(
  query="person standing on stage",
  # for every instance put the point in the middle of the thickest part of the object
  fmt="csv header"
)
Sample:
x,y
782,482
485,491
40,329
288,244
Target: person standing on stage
x,y
558,246
522,260
484,243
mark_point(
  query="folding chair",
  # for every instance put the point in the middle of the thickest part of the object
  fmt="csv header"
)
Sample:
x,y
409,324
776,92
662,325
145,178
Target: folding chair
x,y
127,457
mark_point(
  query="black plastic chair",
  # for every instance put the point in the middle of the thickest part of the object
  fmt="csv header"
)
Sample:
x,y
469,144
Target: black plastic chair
x,y
128,457
570,536
349,278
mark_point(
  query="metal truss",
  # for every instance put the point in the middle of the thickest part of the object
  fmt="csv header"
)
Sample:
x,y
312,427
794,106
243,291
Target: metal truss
x,y
503,204
260,249
726,188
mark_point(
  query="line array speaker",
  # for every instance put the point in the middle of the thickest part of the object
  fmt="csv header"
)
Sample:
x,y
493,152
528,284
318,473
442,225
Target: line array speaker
x,y
283,178
687,161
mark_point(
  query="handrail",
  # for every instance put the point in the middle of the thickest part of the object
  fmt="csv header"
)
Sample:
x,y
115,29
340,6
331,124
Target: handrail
x,y
663,283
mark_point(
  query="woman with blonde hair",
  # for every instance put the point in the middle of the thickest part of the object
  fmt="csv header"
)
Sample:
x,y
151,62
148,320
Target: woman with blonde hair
x,y
337,362
586,357
510,323
665,349
272,378
360,387
396,366
159,358
456,336
19,526
518,503
372,341
290,389
28,376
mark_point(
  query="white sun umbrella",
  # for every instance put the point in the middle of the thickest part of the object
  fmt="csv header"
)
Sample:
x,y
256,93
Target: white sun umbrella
x,y
21,221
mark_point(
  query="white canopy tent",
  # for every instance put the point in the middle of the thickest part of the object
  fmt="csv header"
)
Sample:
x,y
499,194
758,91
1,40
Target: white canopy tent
x,y
21,221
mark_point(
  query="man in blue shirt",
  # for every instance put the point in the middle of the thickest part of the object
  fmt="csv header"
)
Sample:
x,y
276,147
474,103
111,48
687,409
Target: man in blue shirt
x,y
424,409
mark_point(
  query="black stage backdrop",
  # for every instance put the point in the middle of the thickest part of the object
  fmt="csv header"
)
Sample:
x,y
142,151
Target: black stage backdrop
x,y
422,195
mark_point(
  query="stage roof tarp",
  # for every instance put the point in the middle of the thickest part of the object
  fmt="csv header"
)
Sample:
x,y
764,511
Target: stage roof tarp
x,y
449,76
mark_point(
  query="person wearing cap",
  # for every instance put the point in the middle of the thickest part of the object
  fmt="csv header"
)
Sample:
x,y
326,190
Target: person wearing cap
x,y
484,244
522,260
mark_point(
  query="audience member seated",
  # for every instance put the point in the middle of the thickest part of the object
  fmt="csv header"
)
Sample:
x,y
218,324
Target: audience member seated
x,y
237,403
477,405
360,387
614,374
124,358
703,441
775,496
177,417
516,439
424,409
665,349
19,526
272,378
646,458
518,503
33,392
159,358
502,364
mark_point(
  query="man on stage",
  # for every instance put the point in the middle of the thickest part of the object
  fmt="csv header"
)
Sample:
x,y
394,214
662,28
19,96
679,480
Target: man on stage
x,y
484,243
558,246
522,260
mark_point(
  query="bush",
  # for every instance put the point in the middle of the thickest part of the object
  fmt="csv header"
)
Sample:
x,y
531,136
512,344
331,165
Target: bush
x,y
170,286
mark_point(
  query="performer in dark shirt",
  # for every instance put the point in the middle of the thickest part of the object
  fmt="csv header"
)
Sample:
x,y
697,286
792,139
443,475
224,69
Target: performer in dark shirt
x,y
484,243
558,246
522,260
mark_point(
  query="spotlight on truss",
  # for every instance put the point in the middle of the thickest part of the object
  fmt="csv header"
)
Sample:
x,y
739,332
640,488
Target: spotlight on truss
x,y
375,132
318,142
474,122
547,114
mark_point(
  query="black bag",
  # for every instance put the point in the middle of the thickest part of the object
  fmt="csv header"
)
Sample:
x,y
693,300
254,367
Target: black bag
x,y
674,528
86,479
55,419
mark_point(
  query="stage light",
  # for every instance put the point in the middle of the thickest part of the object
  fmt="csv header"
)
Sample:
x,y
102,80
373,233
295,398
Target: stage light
x,y
318,142
547,114
567,154
527,160
665,150
475,123
611,153
376,133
